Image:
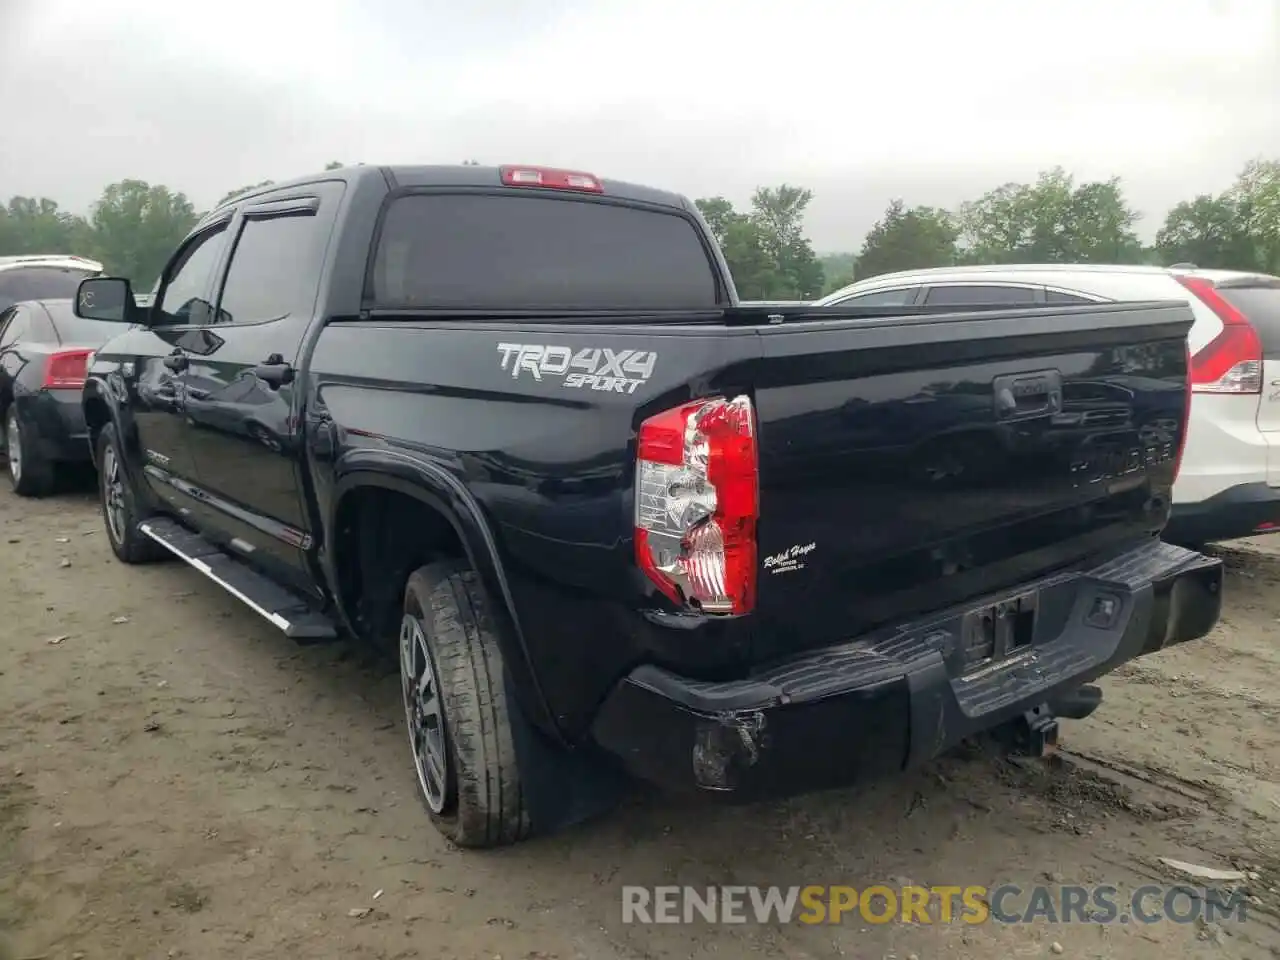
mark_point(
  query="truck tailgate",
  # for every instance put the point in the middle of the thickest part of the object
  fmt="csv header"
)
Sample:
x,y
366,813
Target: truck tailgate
x,y
910,464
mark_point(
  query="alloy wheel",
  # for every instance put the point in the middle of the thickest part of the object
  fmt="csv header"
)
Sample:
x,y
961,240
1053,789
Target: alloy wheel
x,y
113,494
424,714
13,448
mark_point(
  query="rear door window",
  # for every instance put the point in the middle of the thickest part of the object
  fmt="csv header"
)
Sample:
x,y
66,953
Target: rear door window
x,y
516,252
274,271
1260,302
977,294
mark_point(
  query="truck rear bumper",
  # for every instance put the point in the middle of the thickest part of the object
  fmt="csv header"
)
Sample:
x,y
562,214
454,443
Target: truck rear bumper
x,y
886,701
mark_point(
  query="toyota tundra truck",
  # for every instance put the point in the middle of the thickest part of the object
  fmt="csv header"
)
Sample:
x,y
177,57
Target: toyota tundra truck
x,y
514,424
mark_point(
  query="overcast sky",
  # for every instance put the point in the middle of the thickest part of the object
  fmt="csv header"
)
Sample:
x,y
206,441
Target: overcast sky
x,y
861,100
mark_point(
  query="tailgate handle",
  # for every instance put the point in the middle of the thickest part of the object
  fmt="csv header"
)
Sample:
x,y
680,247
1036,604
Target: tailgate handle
x,y
1037,393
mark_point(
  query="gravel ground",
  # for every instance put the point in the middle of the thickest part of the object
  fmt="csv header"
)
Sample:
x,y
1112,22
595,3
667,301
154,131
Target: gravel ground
x,y
179,780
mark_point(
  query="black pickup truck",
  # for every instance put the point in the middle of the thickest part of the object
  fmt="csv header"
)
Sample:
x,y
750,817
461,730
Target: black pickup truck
x,y
514,423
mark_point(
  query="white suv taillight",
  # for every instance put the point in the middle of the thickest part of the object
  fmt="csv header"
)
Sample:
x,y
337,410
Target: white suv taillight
x,y
1185,426
1232,361
697,503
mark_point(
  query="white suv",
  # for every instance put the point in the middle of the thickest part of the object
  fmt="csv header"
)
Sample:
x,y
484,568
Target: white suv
x,y
51,276
1229,482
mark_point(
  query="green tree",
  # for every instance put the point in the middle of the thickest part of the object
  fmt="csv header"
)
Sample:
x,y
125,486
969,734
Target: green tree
x,y
36,225
1051,221
908,239
136,226
719,214
1208,231
334,165
838,270
779,213
766,249
741,240
1256,195
1101,224
755,272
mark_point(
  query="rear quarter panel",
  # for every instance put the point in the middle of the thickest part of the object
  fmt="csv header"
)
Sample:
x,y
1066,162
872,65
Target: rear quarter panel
x,y
548,454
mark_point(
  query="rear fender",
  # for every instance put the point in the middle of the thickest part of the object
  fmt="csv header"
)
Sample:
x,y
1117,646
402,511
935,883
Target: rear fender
x,y
444,493
95,398
97,390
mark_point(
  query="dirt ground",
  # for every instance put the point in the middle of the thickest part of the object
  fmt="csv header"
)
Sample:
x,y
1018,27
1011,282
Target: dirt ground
x,y
179,780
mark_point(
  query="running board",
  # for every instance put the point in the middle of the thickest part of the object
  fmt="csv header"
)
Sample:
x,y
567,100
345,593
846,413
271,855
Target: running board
x,y
295,617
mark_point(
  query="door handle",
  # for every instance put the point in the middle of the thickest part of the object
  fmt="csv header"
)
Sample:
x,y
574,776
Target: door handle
x,y
176,361
1020,396
274,371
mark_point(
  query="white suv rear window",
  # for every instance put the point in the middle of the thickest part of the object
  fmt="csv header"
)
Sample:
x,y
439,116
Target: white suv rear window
x,y
39,283
1260,303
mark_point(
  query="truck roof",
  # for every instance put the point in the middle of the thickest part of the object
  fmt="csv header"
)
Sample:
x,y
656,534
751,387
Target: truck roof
x,y
458,175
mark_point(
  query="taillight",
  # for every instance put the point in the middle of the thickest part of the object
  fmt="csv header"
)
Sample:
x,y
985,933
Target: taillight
x,y
551,179
1232,361
1185,426
697,502
66,369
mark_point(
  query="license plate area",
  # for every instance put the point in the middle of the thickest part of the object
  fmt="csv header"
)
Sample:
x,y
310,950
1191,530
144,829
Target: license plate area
x,y
998,631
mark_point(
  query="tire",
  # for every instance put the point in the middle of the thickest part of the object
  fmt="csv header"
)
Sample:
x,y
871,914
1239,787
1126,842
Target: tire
x,y
468,774
30,475
117,497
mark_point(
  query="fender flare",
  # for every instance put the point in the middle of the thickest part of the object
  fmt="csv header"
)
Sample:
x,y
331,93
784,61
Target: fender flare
x,y
434,486
132,462
96,388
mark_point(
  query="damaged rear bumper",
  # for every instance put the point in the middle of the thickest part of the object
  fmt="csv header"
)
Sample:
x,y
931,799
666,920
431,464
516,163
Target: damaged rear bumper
x,y
878,704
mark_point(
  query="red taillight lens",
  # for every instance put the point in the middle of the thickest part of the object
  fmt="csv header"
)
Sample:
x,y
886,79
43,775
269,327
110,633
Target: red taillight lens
x,y
551,179
66,369
697,503
1232,361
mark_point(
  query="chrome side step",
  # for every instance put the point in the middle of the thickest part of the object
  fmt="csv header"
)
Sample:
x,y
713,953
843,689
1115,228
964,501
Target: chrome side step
x,y
291,614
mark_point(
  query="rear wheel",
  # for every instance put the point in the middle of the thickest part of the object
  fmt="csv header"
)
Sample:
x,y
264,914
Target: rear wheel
x,y
120,511
457,712
30,475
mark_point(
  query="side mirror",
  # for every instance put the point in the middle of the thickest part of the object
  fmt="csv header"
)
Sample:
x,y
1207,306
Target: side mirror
x,y
106,298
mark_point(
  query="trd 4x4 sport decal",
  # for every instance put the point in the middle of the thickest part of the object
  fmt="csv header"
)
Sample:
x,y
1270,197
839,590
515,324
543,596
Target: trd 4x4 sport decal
x,y
595,368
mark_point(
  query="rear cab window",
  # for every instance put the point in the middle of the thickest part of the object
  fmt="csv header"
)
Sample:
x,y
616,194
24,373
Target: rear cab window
x,y
1258,298
39,283
520,251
